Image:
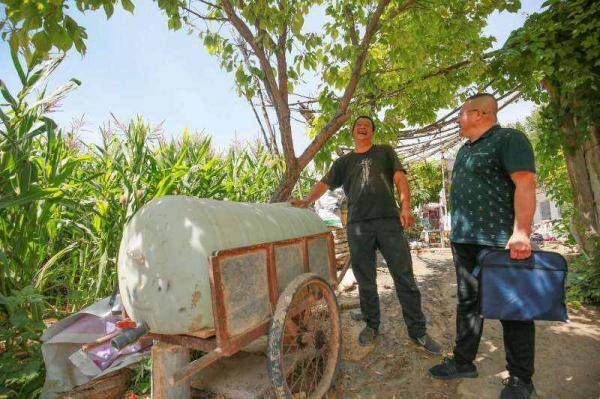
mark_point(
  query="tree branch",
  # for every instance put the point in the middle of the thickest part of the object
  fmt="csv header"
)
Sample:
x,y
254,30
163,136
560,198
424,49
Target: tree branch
x,y
208,3
285,127
204,17
407,5
342,114
352,25
246,34
271,142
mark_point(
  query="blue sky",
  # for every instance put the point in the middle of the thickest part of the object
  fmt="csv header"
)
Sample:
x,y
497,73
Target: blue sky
x,y
136,66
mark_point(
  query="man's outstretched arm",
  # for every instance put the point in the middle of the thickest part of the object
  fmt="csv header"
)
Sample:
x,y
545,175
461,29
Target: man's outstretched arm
x,y
317,191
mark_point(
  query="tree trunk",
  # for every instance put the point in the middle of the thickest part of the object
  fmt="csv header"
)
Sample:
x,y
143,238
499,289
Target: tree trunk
x,y
286,186
583,165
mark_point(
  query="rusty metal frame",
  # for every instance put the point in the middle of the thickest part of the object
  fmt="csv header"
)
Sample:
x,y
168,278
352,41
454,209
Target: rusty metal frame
x,y
231,344
224,344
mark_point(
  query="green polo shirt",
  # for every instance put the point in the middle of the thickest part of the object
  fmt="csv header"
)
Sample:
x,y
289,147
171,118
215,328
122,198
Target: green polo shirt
x,y
482,192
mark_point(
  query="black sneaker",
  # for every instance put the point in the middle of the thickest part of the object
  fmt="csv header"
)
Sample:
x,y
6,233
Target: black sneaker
x,y
448,369
427,343
357,315
516,388
367,336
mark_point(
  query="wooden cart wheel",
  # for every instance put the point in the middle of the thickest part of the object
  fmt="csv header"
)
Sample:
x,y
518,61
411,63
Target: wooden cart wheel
x,y
305,339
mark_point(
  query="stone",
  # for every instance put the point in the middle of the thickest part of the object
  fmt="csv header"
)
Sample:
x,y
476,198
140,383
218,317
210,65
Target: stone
x,y
258,346
241,376
348,282
348,302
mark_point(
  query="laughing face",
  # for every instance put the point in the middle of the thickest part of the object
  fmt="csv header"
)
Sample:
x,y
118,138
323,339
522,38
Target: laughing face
x,y
363,130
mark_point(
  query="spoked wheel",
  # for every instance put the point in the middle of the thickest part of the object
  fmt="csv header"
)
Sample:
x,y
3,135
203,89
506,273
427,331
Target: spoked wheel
x,y
305,339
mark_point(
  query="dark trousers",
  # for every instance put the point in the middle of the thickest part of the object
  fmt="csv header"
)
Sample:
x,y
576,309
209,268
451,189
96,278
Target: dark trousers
x,y
364,238
519,336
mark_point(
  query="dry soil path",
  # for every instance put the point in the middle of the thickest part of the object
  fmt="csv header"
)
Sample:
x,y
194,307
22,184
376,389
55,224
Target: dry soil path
x,y
567,354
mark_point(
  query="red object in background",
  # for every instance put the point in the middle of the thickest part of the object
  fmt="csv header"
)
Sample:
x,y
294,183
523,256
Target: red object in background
x,y
127,323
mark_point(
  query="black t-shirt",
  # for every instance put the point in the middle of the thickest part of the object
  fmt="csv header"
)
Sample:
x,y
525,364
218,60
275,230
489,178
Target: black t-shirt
x,y
368,181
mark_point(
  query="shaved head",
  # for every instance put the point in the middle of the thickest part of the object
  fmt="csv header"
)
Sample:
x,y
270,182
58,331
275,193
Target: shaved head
x,y
484,102
477,115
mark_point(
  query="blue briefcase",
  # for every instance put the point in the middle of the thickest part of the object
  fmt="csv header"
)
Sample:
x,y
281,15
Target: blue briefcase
x,y
529,289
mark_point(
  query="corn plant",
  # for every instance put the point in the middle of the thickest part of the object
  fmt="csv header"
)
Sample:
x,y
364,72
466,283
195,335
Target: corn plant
x,y
64,203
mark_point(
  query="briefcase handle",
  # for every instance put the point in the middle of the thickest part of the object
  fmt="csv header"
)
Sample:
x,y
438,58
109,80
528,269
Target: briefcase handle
x,y
527,262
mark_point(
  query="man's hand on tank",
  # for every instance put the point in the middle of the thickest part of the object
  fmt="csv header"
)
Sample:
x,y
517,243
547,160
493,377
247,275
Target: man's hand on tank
x,y
519,245
299,203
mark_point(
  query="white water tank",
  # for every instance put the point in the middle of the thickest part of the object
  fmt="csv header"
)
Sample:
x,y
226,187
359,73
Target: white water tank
x,y
163,258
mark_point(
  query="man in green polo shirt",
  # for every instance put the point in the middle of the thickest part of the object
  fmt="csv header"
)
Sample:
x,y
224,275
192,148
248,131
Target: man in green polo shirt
x,y
493,203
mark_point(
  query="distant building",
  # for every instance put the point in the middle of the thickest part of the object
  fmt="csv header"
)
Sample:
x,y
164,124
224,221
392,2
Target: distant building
x,y
545,209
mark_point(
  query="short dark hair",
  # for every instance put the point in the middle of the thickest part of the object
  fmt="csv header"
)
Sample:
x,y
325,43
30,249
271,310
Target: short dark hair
x,y
364,117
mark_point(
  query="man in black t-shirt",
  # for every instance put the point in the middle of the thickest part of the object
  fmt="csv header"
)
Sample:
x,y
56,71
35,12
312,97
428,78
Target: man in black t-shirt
x,y
368,175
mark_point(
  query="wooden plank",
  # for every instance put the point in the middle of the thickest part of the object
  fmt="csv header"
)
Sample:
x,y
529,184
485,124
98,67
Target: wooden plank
x,y
341,274
203,333
166,360
234,344
100,341
180,377
199,344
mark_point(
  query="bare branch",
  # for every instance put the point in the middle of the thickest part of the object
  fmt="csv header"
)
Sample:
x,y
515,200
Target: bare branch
x,y
272,141
246,34
440,139
208,3
203,17
279,100
262,129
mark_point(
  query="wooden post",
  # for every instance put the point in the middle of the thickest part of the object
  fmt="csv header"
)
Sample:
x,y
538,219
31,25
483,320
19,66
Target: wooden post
x,y
167,359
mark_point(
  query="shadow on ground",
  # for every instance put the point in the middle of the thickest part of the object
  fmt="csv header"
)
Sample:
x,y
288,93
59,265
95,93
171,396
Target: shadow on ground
x,y
567,354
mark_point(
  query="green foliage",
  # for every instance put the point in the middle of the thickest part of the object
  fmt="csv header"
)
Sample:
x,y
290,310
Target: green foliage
x,y
556,50
21,365
141,381
41,25
414,67
551,166
63,206
419,61
425,179
583,283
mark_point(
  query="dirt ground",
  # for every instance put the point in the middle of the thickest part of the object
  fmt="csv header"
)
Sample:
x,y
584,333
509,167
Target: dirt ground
x,y
567,354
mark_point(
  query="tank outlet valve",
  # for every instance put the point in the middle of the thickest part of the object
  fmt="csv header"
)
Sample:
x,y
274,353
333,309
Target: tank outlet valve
x,y
129,336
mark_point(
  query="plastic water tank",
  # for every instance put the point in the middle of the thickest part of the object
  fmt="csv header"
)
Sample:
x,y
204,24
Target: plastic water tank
x,y
163,258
